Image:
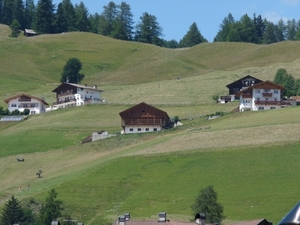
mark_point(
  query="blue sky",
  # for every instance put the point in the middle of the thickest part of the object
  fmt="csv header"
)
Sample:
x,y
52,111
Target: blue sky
x,y
176,16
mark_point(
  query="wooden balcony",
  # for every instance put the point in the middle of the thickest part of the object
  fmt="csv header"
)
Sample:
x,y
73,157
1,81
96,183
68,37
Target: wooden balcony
x,y
246,95
65,94
259,102
143,122
267,94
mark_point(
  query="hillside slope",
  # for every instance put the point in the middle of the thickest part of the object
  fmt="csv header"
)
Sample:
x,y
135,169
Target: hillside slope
x,y
34,65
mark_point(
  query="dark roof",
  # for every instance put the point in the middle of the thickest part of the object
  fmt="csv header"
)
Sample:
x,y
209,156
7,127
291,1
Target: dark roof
x,y
237,81
253,222
293,217
23,94
77,85
143,110
263,85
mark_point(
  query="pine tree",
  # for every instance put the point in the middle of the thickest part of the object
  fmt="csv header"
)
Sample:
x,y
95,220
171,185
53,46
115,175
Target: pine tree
x,y
193,37
206,202
44,16
29,14
8,12
52,209
82,14
110,14
15,28
12,212
148,29
123,25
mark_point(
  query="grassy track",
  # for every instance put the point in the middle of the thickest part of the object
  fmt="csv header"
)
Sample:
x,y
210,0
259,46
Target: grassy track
x,y
250,158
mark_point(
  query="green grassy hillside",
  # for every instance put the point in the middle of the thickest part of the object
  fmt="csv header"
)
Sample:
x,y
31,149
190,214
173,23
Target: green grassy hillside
x,y
250,157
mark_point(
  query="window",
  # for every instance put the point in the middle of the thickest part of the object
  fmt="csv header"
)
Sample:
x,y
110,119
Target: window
x,y
147,129
139,129
13,105
25,106
154,129
272,107
32,105
275,91
131,129
257,91
261,108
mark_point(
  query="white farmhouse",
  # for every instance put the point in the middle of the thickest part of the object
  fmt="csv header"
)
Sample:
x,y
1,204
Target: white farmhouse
x,y
262,96
69,94
24,101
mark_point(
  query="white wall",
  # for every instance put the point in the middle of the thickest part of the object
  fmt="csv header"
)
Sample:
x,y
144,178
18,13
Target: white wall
x,y
142,129
15,104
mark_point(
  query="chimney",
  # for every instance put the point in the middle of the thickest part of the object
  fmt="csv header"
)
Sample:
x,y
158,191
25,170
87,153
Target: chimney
x,y
127,216
162,217
86,85
95,86
121,220
202,219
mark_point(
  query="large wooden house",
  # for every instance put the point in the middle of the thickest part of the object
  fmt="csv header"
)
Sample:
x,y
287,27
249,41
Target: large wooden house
x,y
24,101
143,118
262,96
69,94
242,83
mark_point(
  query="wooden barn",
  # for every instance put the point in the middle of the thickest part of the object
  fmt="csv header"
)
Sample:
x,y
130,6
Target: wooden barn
x,y
143,118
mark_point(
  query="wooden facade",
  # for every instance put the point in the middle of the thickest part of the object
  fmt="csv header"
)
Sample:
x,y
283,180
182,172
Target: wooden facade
x,y
143,118
242,83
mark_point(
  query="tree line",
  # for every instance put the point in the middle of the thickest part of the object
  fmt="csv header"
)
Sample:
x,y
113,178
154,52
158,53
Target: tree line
x,y
257,30
33,211
116,21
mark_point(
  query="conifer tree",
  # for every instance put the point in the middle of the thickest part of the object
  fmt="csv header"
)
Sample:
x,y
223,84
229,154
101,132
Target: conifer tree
x,y
12,212
51,209
44,16
206,202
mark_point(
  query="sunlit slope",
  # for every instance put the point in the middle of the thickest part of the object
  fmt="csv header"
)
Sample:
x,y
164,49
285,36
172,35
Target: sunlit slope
x,y
34,65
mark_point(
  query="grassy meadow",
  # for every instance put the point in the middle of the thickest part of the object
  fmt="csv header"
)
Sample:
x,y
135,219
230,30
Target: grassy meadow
x,y
251,158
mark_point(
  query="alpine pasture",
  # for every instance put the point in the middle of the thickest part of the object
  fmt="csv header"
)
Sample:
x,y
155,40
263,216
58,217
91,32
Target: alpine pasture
x,y
251,158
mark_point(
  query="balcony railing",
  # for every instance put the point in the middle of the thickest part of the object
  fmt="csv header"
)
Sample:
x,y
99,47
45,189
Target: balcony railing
x,y
65,94
144,122
246,95
267,94
259,102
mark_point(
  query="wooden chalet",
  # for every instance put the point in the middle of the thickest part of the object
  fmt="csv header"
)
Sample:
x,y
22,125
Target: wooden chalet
x,y
143,118
242,83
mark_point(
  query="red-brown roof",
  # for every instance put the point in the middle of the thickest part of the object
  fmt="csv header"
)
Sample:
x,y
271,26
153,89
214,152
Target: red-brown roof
x,y
263,85
23,94
143,110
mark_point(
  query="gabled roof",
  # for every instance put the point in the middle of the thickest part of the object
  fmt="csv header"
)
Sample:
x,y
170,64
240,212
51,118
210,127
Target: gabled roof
x,y
293,217
143,110
77,85
23,94
263,85
243,78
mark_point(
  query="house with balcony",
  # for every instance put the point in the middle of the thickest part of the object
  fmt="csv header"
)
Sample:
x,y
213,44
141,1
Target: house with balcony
x,y
144,118
240,84
24,101
262,96
69,94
